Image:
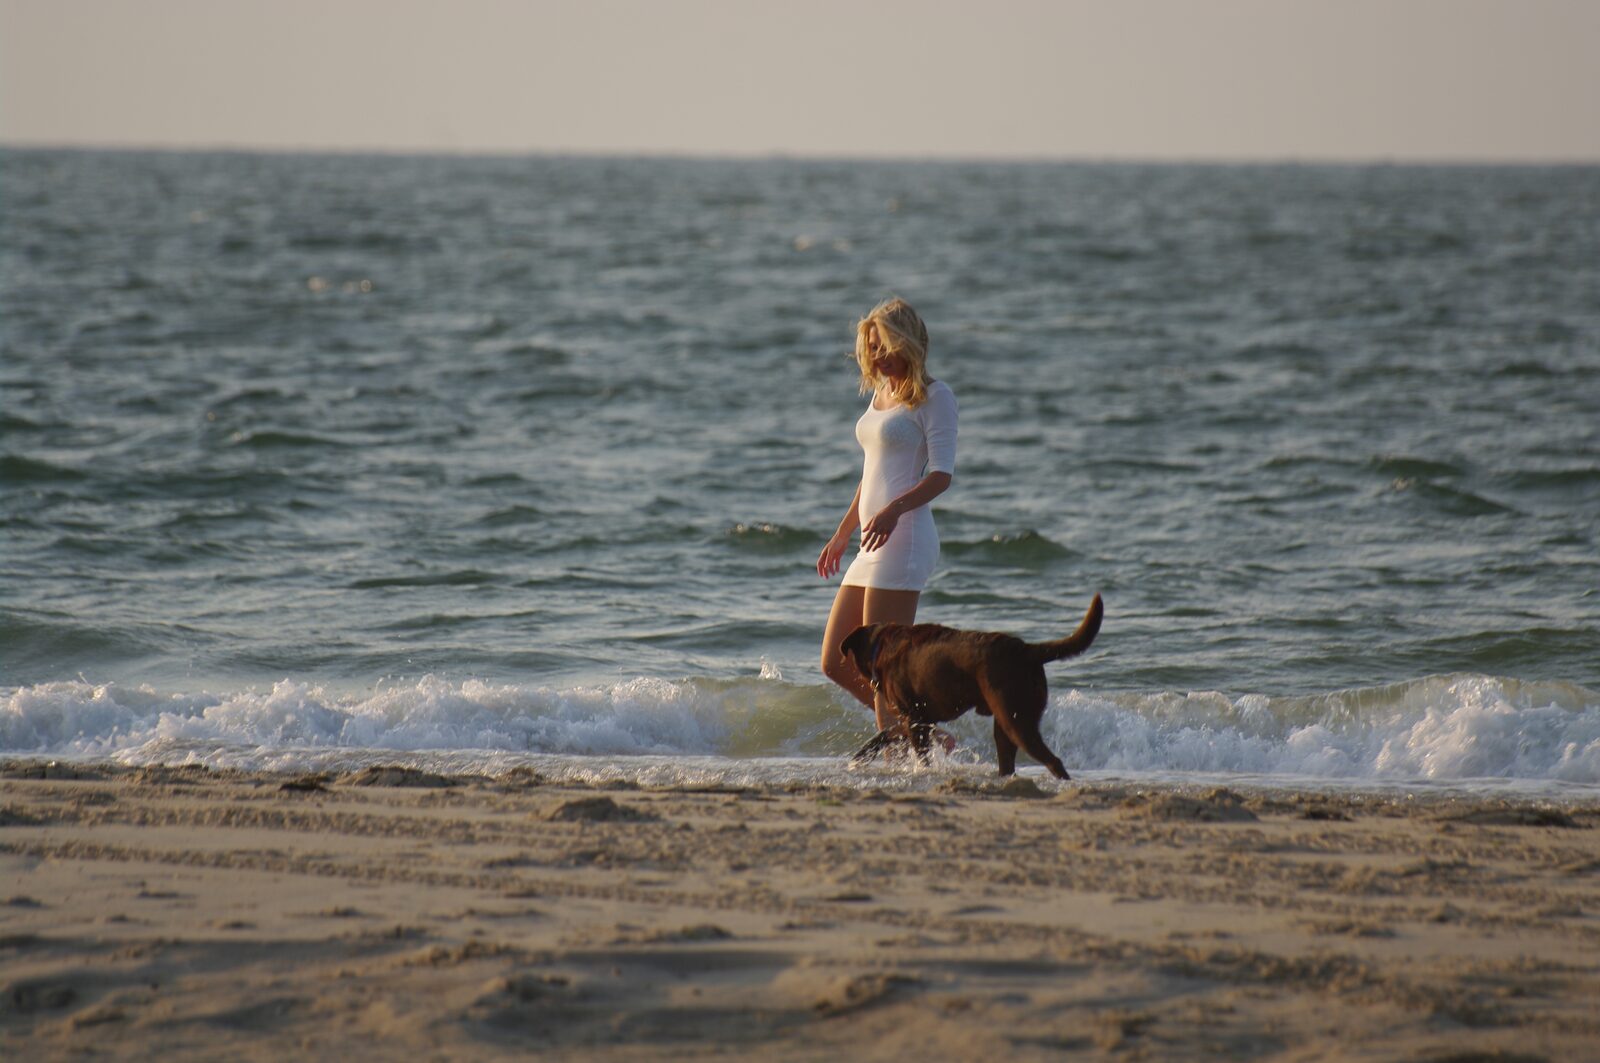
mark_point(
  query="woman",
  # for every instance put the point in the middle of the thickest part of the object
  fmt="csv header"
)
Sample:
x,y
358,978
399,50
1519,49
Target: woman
x,y
909,435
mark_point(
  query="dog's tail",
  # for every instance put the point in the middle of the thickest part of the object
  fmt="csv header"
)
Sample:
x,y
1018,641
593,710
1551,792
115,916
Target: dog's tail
x,y
1074,643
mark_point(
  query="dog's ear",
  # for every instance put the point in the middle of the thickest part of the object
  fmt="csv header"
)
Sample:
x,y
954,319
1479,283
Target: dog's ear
x,y
858,645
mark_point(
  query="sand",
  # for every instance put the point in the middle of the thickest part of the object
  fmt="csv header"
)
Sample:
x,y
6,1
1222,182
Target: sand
x,y
192,914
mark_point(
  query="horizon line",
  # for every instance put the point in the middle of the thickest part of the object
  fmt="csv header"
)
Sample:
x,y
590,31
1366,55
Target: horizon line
x,y
775,155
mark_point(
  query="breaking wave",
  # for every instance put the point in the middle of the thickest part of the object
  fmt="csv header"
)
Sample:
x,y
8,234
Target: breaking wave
x,y
1438,728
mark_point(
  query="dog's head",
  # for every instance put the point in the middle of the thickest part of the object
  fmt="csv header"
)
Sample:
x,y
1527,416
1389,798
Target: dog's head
x,y
861,646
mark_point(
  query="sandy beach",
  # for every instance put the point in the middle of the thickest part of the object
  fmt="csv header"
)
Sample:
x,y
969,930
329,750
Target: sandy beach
x,y
185,913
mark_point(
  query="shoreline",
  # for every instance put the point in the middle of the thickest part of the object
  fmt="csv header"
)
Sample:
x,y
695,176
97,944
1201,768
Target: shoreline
x,y
678,771
194,913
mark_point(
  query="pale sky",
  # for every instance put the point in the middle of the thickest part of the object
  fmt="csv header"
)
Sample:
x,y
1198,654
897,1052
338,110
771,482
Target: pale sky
x,y
1492,80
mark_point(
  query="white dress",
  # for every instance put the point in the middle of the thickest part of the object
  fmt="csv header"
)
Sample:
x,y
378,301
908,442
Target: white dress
x,y
902,446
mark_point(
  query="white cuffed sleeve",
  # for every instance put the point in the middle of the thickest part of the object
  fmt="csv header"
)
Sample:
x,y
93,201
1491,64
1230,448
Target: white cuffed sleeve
x,y
938,417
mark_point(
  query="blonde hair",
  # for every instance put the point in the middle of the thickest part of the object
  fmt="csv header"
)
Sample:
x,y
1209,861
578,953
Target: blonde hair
x,y
901,332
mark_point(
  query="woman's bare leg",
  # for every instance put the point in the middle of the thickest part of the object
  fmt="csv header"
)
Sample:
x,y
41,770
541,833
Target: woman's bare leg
x,y
849,607
852,607
888,607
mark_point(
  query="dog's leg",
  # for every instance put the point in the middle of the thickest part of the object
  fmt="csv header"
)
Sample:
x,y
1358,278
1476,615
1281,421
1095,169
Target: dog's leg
x,y
1005,750
1017,704
921,740
884,739
1039,751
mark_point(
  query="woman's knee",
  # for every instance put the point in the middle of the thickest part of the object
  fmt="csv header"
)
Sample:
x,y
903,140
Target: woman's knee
x,y
834,665
839,668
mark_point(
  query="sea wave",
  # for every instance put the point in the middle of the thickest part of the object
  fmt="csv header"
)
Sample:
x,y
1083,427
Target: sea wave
x,y
1437,728
1446,727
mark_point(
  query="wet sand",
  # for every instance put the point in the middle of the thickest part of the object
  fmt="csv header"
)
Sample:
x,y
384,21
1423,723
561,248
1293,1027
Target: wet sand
x,y
192,914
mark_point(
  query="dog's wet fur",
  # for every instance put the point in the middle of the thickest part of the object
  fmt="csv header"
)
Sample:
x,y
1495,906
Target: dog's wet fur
x,y
928,674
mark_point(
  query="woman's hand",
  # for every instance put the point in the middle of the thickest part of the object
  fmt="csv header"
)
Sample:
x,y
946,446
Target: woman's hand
x,y
879,528
828,560
876,531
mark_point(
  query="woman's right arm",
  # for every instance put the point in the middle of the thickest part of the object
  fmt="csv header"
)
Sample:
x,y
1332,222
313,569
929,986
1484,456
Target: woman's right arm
x,y
828,560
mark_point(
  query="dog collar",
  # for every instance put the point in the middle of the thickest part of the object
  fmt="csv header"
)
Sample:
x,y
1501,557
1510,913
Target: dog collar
x,y
872,666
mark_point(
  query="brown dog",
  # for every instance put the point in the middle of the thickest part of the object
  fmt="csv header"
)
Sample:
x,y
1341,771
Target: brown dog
x,y
929,674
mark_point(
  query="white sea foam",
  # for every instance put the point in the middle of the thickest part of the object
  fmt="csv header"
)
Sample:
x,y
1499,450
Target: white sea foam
x,y
1436,729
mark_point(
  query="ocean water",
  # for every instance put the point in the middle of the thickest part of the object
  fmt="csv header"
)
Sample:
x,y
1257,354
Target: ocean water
x,y
309,461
